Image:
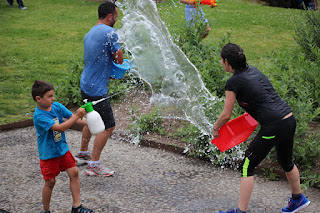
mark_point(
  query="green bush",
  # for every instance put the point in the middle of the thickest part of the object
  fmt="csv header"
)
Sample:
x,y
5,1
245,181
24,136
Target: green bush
x,y
296,80
68,89
307,33
294,77
205,56
148,122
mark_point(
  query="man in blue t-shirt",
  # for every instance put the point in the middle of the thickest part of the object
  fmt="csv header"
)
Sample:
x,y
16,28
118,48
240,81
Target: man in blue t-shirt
x,y
54,153
101,47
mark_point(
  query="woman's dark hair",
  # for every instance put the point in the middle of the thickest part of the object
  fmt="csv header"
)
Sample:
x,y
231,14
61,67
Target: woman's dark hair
x,y
106,8
235,56
39,88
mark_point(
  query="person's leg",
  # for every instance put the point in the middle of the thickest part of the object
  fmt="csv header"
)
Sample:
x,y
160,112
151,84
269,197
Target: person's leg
x,y
256,152
47,192
10,2
74,185
284,149
105,110
246,188
20,3
294,180
100,142
85,139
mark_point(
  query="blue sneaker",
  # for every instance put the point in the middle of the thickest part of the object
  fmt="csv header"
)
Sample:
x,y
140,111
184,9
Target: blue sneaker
x,y
296,205
229,211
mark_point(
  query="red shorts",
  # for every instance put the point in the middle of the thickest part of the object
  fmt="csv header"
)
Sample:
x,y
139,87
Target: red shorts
x,y
51,168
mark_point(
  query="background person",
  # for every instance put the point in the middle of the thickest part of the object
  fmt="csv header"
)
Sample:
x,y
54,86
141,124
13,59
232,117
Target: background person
x,y
101,47
20,3
256,95
191,12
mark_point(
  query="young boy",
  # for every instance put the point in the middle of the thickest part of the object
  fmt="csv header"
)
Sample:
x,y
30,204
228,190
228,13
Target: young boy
x,y
52,146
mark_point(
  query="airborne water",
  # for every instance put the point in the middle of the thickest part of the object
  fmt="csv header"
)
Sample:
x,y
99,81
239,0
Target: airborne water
x,y
175,82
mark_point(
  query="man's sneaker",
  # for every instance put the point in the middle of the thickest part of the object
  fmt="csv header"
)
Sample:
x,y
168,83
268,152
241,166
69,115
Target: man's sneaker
x,y
296,205
98,170
22,7
10,3
81,209
82,159
45,211
229,211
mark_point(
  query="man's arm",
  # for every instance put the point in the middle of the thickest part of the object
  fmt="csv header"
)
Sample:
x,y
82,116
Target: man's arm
x,y
118,57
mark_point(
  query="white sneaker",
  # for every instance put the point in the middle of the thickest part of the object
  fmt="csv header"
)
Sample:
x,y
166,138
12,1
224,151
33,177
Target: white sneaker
x,y
98,170
22,7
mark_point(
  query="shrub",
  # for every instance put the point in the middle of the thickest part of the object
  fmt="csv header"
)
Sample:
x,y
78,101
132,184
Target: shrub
x,y
148,122
68,89
307,33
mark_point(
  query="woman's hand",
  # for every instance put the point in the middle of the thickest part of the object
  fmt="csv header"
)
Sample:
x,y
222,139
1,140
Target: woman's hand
x,y
215,133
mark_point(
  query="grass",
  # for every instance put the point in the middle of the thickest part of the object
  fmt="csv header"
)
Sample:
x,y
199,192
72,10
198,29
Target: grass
x,y
256,28
38,43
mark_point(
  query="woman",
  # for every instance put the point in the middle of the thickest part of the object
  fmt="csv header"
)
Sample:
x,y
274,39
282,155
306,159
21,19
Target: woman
x,y
255,94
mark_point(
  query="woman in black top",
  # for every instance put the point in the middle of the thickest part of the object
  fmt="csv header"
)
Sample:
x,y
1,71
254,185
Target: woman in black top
x,y
254,93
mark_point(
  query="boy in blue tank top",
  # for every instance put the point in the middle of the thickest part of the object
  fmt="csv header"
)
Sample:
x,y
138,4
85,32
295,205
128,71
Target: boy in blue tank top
x,y
53,149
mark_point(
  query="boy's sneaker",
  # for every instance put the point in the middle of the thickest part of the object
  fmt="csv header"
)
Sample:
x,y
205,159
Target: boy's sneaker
x,y
229,211
296,205
82,159
98,170
80,209
10,3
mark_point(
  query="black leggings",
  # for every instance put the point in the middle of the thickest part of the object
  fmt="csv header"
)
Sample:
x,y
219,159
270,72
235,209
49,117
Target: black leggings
x,y
279,134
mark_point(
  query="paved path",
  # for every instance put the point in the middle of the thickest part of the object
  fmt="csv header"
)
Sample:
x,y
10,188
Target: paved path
x,y
146,180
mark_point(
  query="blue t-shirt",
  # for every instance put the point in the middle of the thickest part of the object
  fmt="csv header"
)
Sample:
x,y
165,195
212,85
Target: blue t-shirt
x,y
100,43
51,144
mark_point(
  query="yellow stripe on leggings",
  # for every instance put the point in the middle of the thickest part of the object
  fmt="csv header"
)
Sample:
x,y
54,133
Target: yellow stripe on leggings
x,y
245,167
268,137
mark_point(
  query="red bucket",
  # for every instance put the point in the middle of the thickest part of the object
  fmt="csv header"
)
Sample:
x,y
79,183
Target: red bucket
x,y
235,132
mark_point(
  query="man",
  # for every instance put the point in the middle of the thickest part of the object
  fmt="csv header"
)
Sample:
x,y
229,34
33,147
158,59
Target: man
x,y
101,47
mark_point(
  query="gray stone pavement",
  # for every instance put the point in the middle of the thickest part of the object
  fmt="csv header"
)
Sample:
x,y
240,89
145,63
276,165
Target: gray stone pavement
x,y
146,180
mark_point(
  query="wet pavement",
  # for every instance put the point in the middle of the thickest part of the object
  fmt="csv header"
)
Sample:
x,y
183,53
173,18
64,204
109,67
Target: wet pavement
x,y
146,180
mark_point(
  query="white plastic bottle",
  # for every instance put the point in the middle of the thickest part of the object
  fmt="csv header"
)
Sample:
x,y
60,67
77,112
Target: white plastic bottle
x,y
94,120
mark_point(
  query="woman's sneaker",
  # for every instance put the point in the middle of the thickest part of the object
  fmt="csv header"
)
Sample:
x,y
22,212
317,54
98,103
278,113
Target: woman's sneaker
x,y
82,159
80,209
296,205
98,170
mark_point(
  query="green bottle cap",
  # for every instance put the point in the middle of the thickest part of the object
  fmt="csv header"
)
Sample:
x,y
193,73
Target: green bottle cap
x,y
88,106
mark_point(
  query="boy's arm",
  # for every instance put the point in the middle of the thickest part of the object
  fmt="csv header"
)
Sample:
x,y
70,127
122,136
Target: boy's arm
x,y
68,123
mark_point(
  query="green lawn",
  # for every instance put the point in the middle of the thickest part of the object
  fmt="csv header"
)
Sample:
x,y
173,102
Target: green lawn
x,y
38,43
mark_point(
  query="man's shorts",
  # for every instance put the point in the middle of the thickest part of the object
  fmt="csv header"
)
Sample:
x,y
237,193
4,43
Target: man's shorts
x,y
51,168
103,108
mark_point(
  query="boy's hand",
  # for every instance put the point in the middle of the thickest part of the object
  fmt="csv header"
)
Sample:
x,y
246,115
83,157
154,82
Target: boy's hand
x,y
81,112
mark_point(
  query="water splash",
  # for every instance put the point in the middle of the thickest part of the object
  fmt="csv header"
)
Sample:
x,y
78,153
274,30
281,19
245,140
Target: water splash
x,y
175,82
